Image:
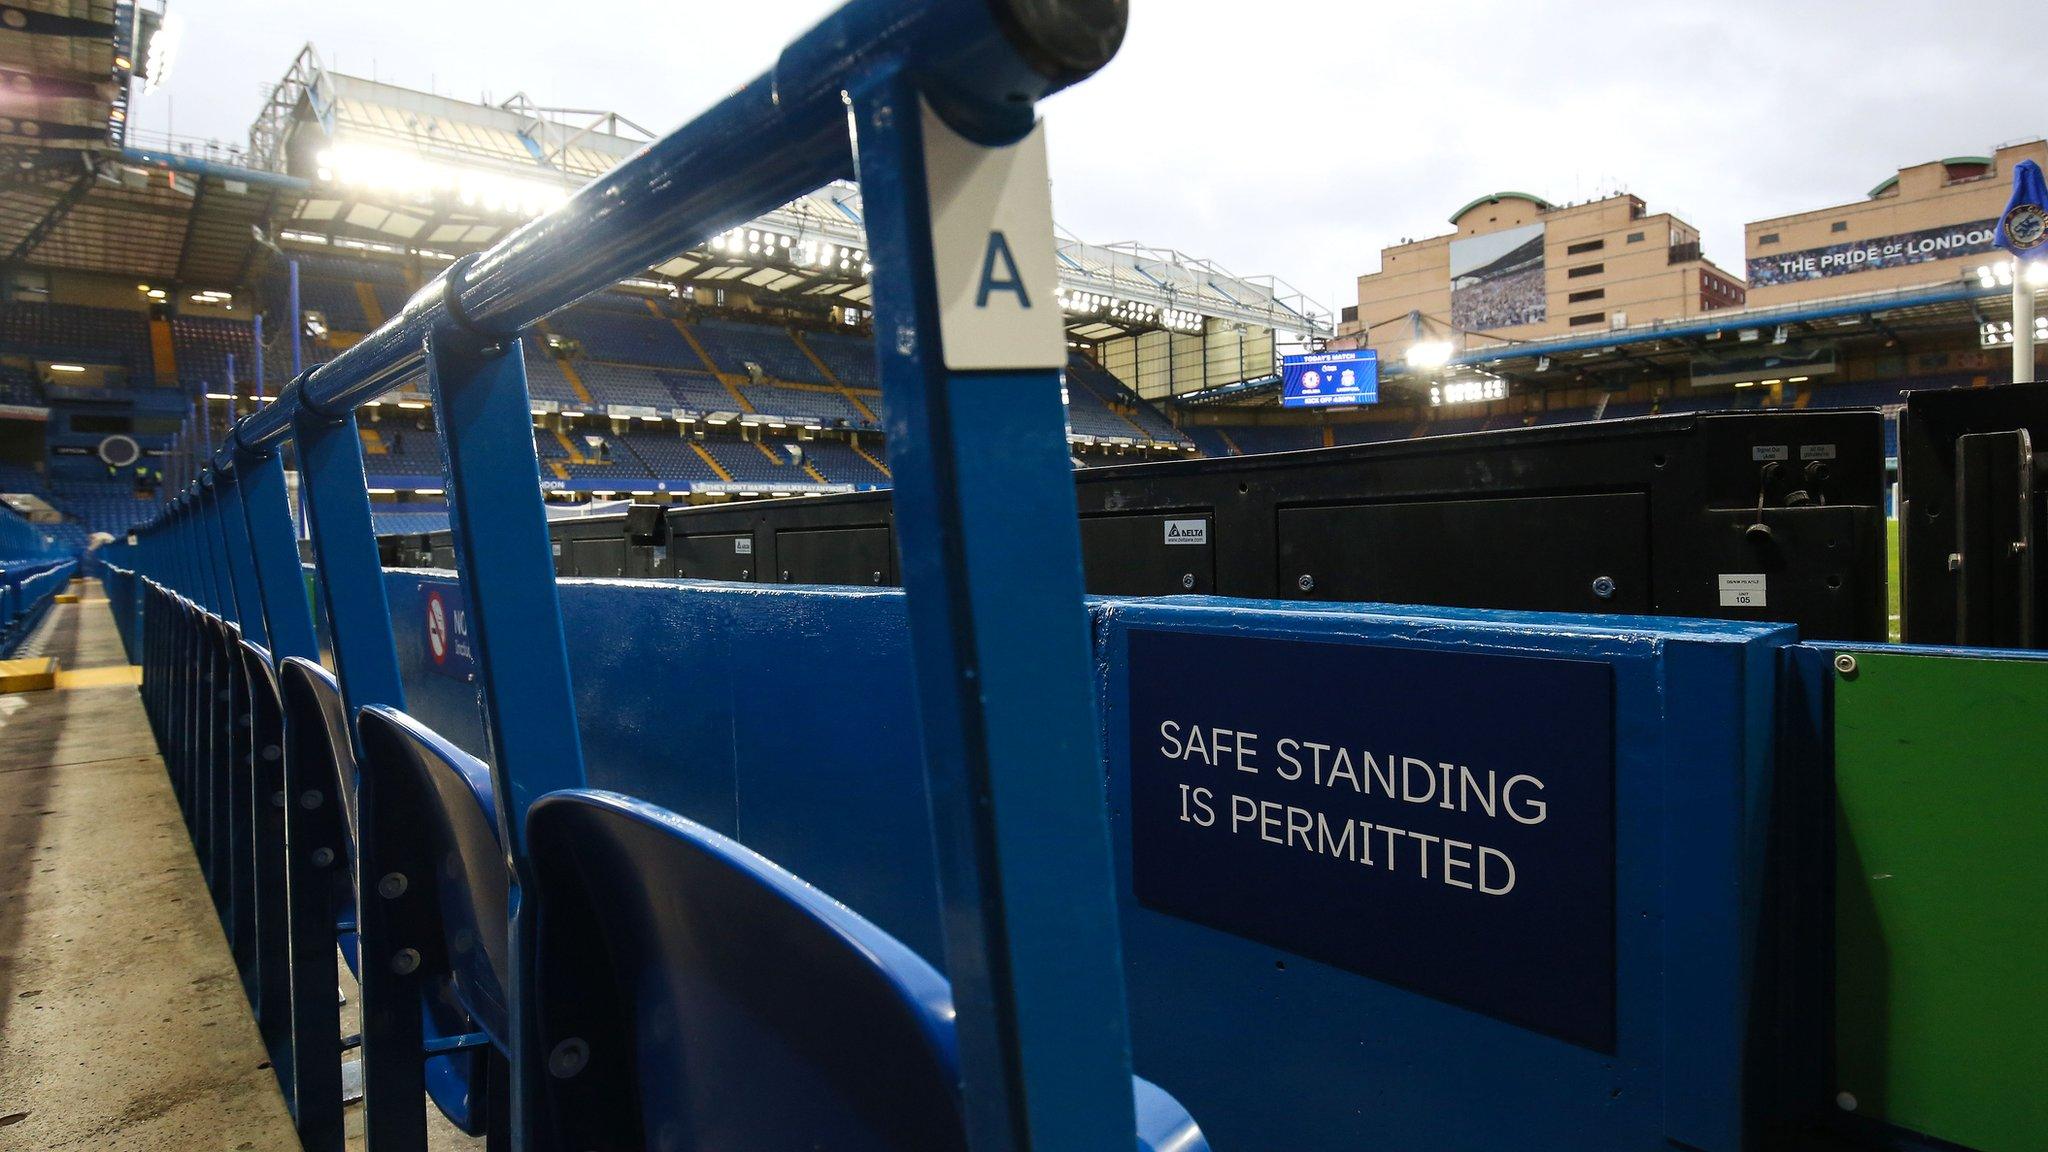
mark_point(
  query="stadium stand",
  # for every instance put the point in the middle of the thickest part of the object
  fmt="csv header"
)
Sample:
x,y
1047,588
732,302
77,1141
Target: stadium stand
x,y
831,408
622,331
409,519
669,458
850,358
628,384
545,380
732,346
109,506
203,344
1116,399
699,391
72,331
19,386
840,464
1253,440
747,464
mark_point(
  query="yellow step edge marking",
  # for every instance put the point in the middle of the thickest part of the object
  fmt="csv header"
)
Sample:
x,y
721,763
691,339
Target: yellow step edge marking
x,y
34,674
811,470
838,385
717,468
569,372
770,453
569,446
879,466
373,311
1229,443
119,675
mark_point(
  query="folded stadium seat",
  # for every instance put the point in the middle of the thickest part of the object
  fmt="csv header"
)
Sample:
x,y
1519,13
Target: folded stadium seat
x,y
693,993
455,1061
267,921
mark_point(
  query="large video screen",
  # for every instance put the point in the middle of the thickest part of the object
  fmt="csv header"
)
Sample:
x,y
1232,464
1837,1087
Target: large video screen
x,y
1323,379
1497,279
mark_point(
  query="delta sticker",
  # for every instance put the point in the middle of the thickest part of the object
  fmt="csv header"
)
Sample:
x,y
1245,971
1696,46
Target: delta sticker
x,y
1187,531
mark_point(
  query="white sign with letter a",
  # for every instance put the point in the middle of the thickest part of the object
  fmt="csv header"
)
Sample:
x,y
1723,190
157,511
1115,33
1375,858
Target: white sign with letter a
x,y
992,240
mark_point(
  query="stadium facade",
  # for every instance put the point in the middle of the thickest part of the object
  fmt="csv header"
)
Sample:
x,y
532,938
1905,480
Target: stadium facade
x,y
1927,223
1517,267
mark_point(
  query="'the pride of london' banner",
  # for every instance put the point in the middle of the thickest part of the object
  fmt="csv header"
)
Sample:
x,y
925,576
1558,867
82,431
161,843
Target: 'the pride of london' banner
x,y
1924,246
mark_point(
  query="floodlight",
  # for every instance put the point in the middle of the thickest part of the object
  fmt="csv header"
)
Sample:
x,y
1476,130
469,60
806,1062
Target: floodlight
x,y
1429,354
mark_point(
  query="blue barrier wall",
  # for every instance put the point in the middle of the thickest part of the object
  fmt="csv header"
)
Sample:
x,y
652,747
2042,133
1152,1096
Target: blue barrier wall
x,y
689,698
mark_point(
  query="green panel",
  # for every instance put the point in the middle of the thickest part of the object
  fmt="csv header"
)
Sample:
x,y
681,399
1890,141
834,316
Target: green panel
x,y
1941,915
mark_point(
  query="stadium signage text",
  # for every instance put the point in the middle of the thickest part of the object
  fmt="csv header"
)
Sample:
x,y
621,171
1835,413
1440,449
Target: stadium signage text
x,y
1438,820
1904,249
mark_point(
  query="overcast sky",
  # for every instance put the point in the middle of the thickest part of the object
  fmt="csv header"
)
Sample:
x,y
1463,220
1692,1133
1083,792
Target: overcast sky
x,y
1292,138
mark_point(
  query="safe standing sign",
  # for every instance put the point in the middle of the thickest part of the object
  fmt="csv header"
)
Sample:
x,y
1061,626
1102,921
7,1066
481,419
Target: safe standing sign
x,y
1442,821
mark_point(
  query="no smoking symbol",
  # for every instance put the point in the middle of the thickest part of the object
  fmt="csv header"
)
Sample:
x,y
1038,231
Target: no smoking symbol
x,y
437,628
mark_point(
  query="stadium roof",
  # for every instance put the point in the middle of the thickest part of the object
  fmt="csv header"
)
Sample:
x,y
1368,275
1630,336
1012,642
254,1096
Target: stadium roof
x,y
390,166
1497,197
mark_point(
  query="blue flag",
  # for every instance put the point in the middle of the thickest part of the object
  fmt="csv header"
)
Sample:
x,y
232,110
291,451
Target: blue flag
x,y
2023,230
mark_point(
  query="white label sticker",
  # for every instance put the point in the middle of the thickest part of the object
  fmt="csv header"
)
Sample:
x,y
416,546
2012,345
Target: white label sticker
x,y
1187,531
1817,452
1770,452
1742,590
558,549
744,546
992,240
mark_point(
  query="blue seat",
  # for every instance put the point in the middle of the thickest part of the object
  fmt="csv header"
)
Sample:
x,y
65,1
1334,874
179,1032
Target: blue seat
x,y
695,995
454,1072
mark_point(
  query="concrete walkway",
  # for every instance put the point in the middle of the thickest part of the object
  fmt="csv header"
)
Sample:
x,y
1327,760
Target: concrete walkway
x,y
122,1022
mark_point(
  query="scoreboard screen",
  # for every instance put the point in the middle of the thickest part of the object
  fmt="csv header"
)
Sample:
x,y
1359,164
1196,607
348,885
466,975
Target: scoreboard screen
x,y
1330,379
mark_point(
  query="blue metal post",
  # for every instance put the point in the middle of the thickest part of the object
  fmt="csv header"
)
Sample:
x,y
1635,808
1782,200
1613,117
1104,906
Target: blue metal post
x,y
266,507
256,352
298,320
335,496
522,655
234,521
992,570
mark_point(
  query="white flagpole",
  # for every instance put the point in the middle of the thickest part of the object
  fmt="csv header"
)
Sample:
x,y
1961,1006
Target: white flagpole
x,y
2022,324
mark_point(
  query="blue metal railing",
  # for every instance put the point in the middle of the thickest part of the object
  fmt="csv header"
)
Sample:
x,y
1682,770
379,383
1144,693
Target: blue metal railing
x,y
932,103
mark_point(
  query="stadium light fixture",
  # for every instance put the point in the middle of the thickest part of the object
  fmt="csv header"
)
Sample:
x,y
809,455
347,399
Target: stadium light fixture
x,y
2037,274
1429,355
161,52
